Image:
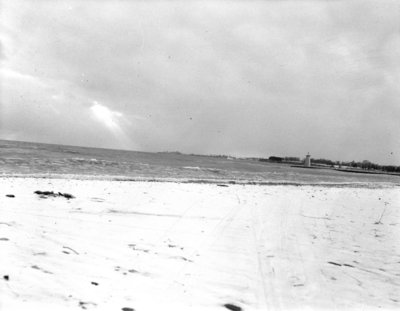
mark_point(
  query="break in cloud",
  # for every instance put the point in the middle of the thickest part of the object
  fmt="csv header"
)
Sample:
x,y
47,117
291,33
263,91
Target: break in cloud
x,y
228,77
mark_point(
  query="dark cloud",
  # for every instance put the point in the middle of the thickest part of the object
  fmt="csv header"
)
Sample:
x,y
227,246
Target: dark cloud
x,y
247,78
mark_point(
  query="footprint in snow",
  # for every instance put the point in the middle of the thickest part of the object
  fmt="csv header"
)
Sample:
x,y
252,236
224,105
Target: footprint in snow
x,y
84,304
97,199
40,269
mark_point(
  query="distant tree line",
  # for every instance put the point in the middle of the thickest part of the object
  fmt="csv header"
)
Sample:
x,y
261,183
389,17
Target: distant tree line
x,y
366,165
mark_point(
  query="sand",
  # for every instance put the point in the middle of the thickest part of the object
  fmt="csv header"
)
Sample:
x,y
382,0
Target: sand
x,y
170,246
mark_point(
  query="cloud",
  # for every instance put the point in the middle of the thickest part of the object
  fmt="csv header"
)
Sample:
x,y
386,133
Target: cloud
x,y
2,53
248,78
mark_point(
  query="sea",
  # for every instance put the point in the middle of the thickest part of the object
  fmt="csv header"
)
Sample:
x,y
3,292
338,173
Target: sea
x,y
28,159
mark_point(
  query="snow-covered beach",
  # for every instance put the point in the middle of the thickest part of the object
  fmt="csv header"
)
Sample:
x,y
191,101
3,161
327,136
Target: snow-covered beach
x,y
181,246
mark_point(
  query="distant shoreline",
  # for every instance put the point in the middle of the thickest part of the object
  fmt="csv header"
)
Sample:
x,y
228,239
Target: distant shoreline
x,y
366,172
347,170
218,182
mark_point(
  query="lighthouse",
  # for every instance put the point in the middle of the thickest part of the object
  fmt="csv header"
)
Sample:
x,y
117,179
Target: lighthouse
x,y
307,160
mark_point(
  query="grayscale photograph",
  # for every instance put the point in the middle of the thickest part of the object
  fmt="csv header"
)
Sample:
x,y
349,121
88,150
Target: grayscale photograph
x,y
217,155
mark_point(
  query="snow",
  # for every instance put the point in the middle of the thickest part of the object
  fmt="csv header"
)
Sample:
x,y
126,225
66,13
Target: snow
x,y
182,246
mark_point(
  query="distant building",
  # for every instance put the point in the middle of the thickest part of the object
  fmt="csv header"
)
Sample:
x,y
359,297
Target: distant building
x,y
275,159
307,160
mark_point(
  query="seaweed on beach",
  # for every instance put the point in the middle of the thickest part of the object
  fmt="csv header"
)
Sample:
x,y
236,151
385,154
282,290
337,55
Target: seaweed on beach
x,y
46,194
232,307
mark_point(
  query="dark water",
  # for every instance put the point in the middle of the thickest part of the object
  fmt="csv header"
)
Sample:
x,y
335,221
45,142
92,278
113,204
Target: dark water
x,y
25,158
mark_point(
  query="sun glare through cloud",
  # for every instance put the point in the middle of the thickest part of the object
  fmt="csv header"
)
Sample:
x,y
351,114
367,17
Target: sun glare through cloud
x,y
112,121
106,116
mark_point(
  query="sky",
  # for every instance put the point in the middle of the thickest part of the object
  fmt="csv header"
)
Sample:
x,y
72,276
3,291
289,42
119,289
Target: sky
x,y
244,78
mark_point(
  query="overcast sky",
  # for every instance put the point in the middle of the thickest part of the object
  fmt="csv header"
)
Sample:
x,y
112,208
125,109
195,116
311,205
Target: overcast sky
x,y
247,78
